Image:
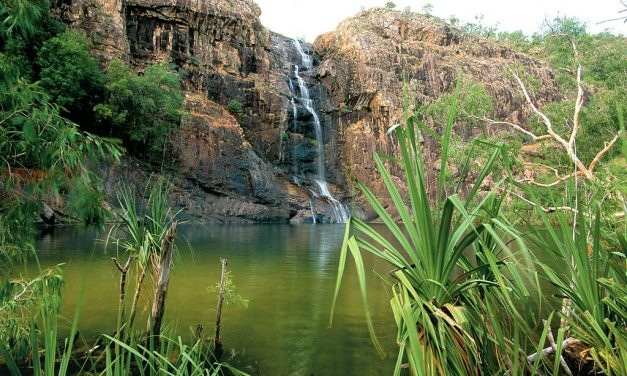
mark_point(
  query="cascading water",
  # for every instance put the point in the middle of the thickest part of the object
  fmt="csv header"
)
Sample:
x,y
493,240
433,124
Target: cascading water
x,y
313,213
339,210
306,59
308,103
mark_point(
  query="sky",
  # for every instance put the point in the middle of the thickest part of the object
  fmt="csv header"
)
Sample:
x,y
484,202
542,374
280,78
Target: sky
x,y
310,18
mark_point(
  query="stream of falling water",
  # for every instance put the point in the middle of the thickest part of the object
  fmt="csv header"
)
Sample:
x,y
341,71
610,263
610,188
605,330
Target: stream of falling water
x,y
339,210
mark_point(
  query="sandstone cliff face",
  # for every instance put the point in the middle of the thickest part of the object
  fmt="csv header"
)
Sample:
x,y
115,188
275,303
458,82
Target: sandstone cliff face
x,y
102,20
362,63
230,167
261,165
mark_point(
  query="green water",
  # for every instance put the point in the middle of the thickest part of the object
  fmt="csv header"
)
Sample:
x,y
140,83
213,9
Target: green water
x,y
286,272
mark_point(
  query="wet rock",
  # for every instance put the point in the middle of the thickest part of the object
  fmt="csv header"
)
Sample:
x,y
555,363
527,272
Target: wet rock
x,y
304,217
47,215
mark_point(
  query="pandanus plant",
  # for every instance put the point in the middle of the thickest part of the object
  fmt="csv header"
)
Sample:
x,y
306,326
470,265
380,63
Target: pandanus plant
x,y
453,276
142,240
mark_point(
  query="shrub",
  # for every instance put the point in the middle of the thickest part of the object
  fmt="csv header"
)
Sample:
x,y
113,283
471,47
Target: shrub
x,y
235,107
473,101
69,73
22,51
390,5
588,269
448,261
142,110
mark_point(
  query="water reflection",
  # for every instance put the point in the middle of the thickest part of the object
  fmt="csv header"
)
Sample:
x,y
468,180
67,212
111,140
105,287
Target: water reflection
x,y
286,272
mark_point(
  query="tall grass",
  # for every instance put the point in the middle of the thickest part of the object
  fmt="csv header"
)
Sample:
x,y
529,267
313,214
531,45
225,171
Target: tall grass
x,y
462,275
456,292
110,356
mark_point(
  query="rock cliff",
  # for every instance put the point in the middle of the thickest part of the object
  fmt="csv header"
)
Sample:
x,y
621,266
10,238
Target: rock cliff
x,y
262,164
362,67
229,164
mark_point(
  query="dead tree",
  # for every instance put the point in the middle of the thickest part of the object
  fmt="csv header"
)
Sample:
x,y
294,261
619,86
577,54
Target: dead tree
x,y
161,289
566,144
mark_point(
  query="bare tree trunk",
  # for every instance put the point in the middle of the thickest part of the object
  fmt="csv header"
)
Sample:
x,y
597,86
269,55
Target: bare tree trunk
x,y
161,289
218,342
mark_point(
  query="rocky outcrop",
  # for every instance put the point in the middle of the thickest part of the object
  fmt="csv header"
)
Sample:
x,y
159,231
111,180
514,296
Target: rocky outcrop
x,y
260,164
362,67
230,166
102,20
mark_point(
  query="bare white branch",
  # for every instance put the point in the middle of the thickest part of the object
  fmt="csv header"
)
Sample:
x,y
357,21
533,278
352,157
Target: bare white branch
x,y
551,350
578,107
545,119
533,136
548,210
607,147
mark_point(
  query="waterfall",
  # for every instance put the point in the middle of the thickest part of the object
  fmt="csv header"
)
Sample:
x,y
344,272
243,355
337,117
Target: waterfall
x,y
294,111
306,59
308,103
294,116
339,210
313,213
